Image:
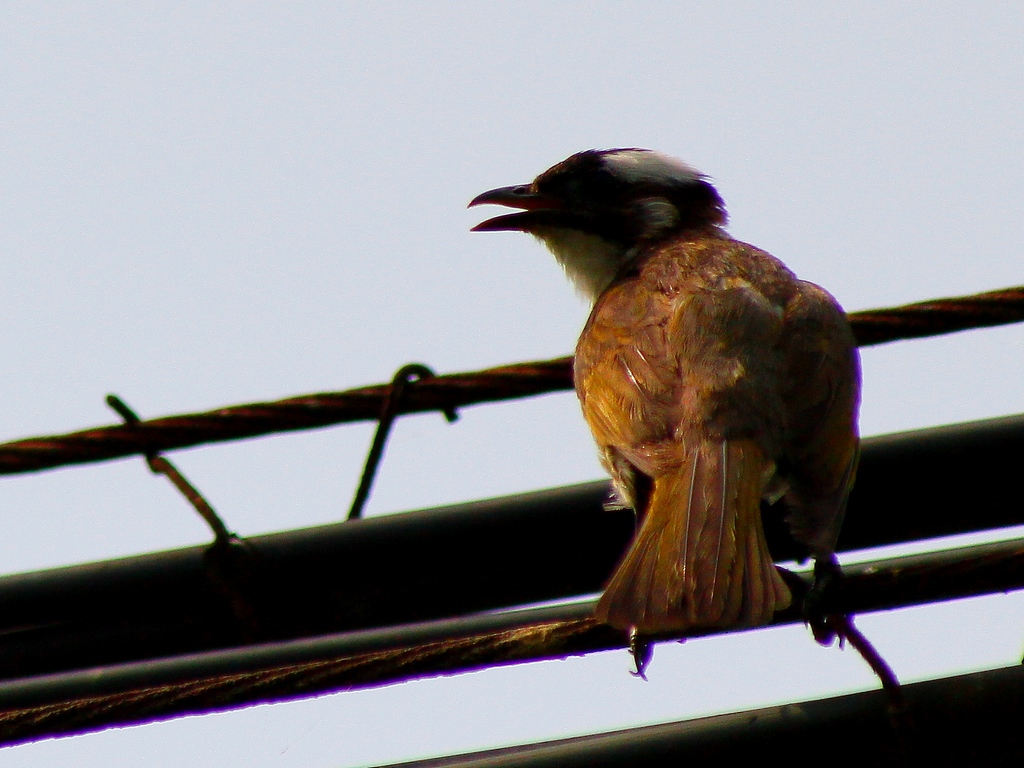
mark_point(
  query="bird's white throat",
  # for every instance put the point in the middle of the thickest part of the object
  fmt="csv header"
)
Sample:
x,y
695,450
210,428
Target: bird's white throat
x,y
590,262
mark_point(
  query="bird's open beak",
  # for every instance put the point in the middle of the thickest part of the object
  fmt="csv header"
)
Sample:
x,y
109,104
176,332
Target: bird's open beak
x,y
536,209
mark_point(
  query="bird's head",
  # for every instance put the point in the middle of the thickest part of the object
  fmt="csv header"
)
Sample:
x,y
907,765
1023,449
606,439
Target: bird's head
x,y
596,209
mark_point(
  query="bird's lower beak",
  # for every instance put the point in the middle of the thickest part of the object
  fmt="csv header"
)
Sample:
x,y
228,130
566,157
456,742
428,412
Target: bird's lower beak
x,y
536,208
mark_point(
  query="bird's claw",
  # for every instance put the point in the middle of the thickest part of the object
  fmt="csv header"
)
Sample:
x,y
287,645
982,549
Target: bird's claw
x,y
826,574
642,651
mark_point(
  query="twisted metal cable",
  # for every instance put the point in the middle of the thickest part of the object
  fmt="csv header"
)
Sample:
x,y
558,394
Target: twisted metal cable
x,y
295,413
442,393
939,316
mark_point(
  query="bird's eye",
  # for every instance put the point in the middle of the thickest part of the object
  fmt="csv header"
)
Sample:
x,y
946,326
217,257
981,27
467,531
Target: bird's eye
x,y
573,189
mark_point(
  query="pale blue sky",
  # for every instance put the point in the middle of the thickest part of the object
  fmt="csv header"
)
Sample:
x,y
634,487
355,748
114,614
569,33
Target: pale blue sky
x,y
204,206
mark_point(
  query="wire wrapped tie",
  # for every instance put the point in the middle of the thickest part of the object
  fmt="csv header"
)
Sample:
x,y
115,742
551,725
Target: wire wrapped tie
x,y
406,375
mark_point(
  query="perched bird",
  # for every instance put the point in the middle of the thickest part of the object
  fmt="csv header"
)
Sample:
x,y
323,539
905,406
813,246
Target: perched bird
x,y
711,377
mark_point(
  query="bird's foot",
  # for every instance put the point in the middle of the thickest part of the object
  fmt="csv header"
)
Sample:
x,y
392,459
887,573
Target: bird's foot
x,y
827,574
642,651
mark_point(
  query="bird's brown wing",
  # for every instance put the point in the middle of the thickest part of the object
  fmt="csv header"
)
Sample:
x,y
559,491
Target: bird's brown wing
x,y
656,372
821,394
625,376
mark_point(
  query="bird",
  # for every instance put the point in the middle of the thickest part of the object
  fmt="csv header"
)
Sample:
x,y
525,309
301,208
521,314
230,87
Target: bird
x,y
712,378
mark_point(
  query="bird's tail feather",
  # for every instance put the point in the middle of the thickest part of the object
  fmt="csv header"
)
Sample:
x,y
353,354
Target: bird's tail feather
x,y
699,557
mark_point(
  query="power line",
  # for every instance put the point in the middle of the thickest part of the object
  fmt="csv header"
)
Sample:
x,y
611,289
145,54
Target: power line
x,y
441,393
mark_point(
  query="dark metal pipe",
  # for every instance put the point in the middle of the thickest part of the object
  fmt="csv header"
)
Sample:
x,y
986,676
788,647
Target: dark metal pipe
x,y
958,721
358,574
448,562
142,691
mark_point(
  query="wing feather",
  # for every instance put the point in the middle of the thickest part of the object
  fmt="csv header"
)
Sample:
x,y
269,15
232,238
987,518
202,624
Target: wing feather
x,y
821,395
678,373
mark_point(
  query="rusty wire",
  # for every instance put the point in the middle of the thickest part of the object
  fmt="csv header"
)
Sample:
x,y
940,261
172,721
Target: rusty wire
x,y
226,560
442,393
939,316
158,465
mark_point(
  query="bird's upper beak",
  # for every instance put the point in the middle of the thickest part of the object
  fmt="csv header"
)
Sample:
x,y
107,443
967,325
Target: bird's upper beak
x,y
537,209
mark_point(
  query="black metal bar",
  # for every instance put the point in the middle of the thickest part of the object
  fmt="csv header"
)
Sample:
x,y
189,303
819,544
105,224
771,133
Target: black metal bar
x,y
453,561
969,720
363,573
937,482
143,691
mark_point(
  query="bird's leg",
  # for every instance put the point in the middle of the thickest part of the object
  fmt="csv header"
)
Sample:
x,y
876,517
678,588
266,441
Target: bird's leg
x,y
642,650
826,627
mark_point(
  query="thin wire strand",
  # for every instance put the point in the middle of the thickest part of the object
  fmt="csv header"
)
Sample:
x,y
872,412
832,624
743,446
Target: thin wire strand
x,y
158,465
406,375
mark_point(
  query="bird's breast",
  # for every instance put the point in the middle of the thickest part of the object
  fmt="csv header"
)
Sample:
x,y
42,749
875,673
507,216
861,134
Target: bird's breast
x,y
590,261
